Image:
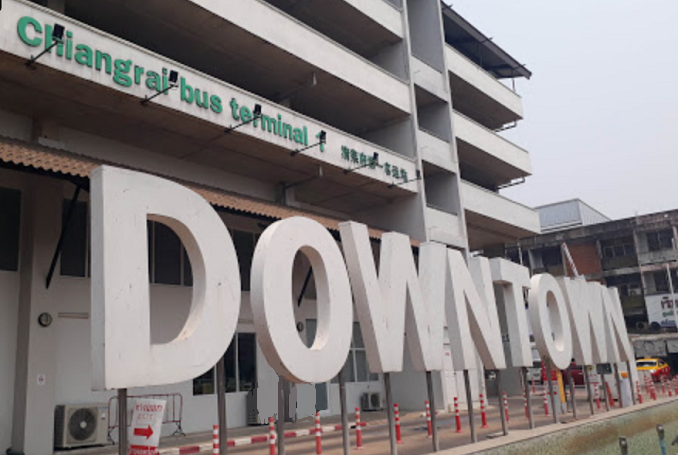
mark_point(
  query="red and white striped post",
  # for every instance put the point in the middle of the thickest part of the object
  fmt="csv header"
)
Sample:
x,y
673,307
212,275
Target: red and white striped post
x,y
609,394
598,396
546,403
457,417
506,409
653,389
396,414
318,435
640,395
663,386
428,420
358,430
668,387
483,417
675,385
527,410
215,440
271,436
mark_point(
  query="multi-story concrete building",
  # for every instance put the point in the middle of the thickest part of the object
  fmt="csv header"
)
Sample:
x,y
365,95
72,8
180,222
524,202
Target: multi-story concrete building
x,y
384,112
637,255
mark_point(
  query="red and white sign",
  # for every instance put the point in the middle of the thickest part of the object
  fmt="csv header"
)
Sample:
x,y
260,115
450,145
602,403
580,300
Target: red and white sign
x,y
144,433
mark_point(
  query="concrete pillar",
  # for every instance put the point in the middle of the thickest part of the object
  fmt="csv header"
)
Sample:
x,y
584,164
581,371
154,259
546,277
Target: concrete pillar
x,y
36,364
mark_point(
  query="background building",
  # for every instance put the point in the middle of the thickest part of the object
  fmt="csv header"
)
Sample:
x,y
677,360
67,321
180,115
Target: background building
x,y
408,82
568,214
637,255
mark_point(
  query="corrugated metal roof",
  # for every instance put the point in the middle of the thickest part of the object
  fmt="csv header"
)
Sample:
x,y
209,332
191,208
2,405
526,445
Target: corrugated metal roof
x,y
62,162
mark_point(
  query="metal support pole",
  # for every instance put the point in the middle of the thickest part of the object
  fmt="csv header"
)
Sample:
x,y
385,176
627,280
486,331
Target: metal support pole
x,y
389,413
64,228
469,406
617,378
662,441
631,383
673,295
502,414
528,396
607,399
587,380
434,418
122,421
221,406
344,413
550,387
572,397
280,424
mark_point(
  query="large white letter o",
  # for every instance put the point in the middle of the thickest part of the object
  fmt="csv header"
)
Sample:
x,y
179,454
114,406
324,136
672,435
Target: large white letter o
x,y
272,305
550,321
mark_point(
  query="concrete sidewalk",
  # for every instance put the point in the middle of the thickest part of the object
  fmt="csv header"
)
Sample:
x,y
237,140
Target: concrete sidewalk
x,y
375,433
197,442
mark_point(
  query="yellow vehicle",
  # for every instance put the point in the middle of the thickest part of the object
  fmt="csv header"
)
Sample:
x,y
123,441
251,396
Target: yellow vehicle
x,y
657,368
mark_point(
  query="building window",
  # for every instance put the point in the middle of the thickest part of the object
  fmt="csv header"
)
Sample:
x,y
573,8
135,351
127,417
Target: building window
x,y
10,227
244,247
660,240
661,281
618,247
75,248
551,257
240,361
167,259
628,285
356,368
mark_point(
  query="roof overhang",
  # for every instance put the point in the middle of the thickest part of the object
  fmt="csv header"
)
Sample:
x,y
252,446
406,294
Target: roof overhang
x,y
25,156
479,48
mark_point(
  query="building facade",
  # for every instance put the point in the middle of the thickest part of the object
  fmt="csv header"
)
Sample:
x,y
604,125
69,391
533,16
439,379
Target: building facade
x,y
568,214
383,112
637,255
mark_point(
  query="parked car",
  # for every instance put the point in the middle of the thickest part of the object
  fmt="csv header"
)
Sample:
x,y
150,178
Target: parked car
x,y
534,373
657,368
577,374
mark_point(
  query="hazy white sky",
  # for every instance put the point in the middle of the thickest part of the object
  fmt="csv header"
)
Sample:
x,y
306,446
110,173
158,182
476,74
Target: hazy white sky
x,y
601,109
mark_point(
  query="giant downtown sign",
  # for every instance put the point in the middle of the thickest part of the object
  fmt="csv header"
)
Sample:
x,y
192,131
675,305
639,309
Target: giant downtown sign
x,y
397,301
94,56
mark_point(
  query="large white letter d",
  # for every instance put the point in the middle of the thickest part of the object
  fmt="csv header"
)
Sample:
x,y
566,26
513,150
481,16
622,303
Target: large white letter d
x,y
123,355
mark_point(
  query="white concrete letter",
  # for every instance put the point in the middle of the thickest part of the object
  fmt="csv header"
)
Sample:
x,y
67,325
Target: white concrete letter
x,y
514,278
272,303
122,353
550,323
398,300
618,343
472,316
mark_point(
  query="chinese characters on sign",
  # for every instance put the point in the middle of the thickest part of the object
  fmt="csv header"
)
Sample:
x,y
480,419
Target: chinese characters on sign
x,y
361,159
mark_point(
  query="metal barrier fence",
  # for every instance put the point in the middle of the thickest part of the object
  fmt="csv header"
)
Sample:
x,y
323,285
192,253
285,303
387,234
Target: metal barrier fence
x,y
174,411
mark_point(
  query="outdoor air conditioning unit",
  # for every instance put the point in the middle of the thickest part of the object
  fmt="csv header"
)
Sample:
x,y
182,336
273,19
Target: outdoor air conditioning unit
x,y
370,401
80,425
